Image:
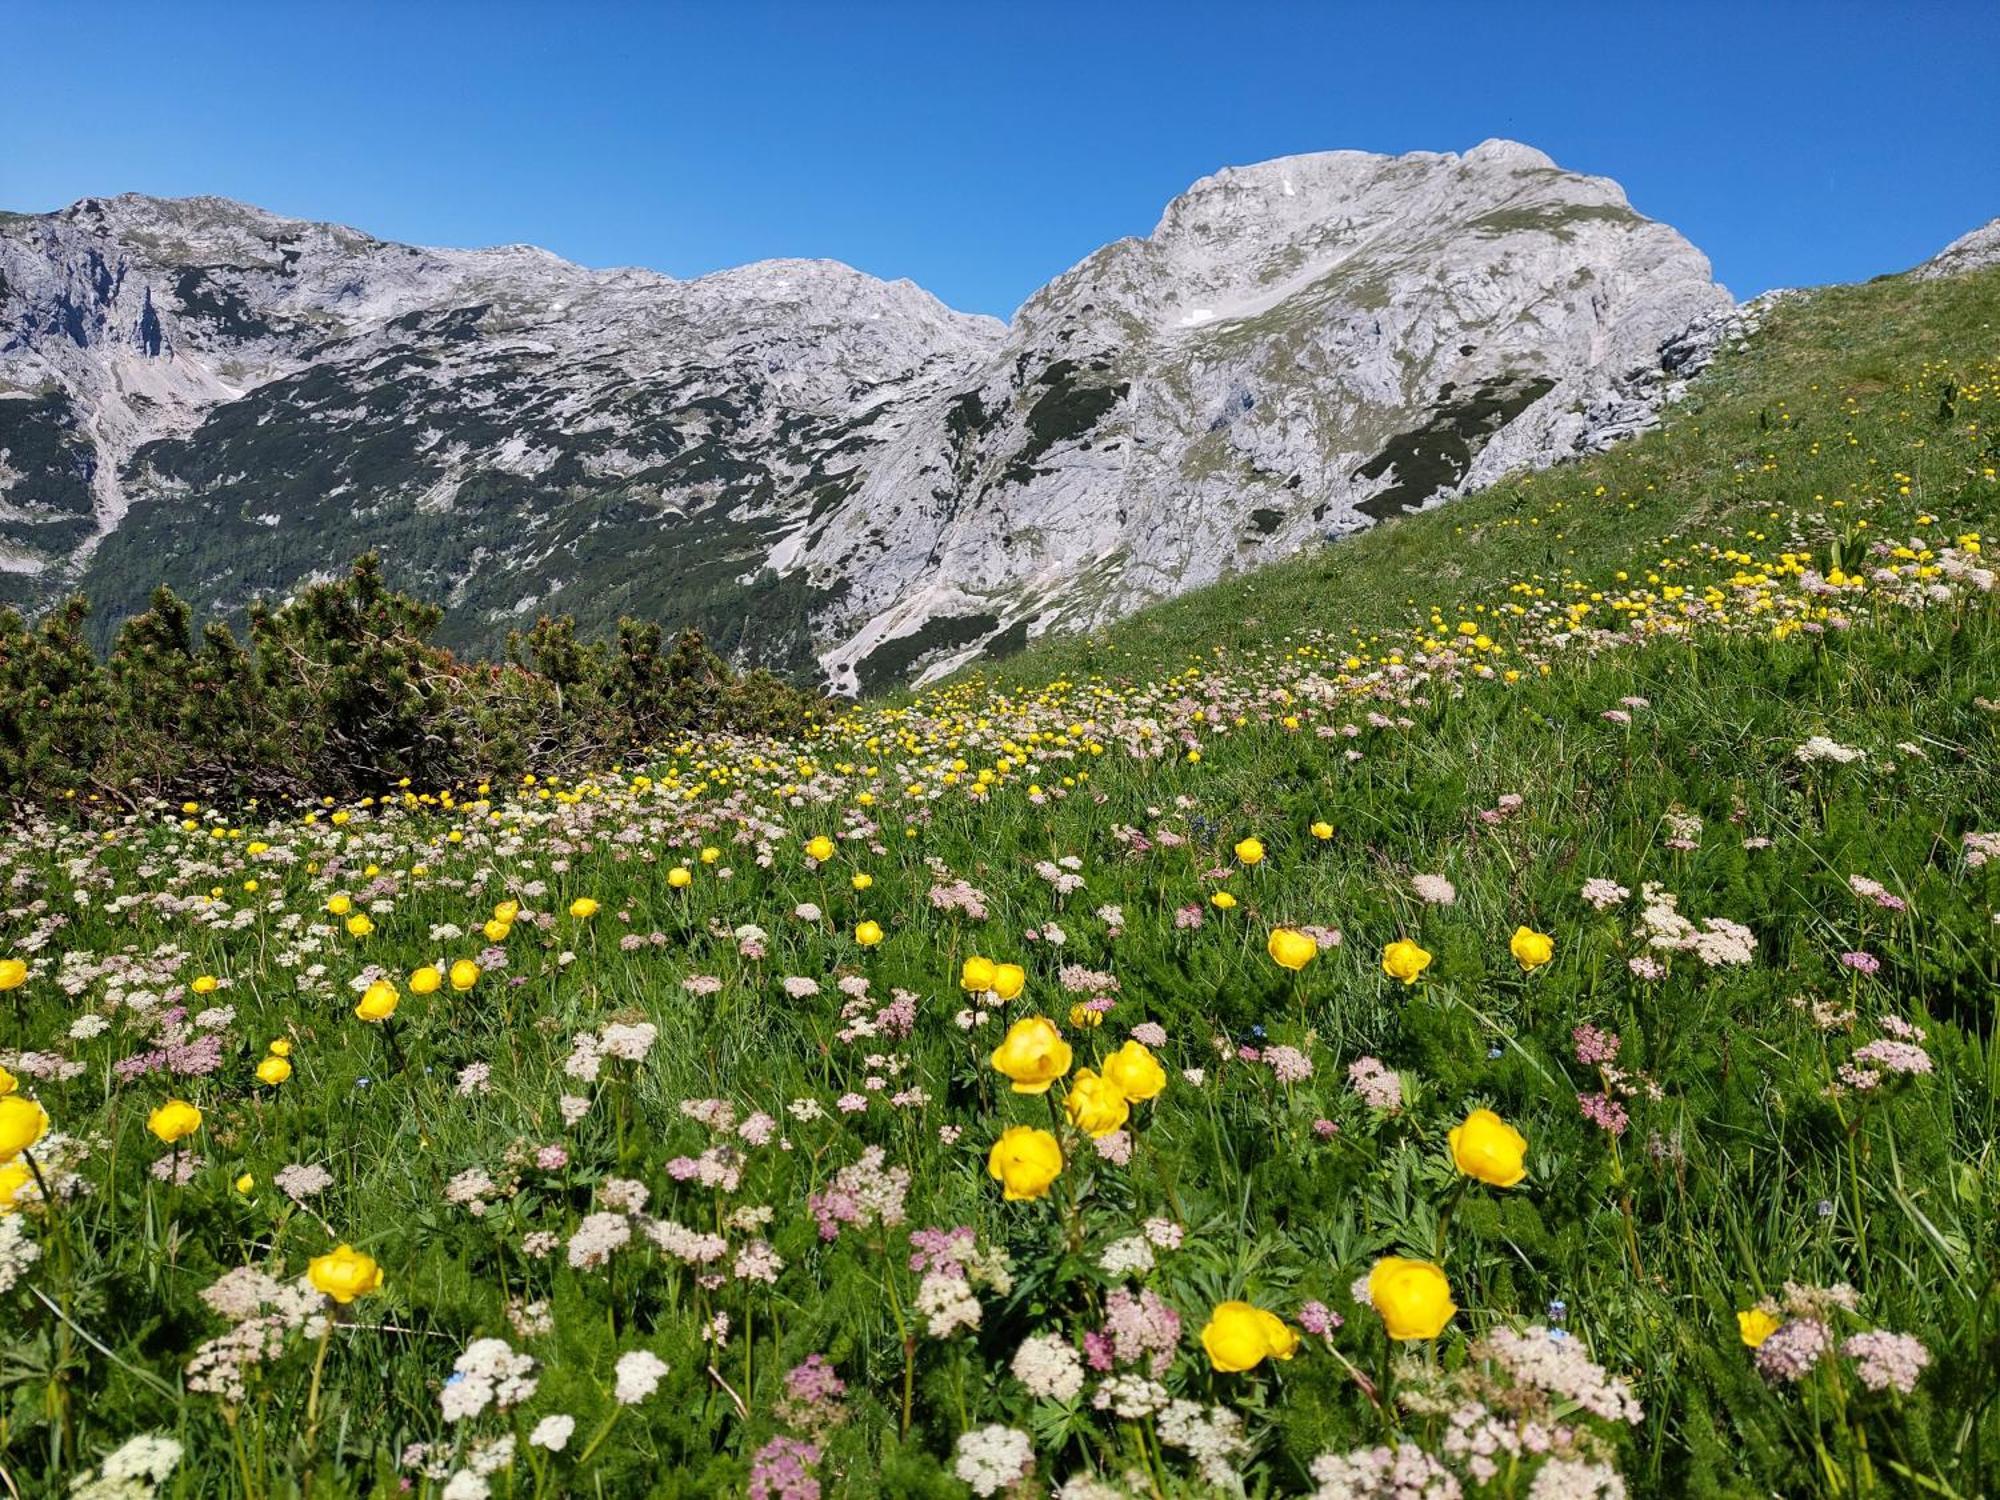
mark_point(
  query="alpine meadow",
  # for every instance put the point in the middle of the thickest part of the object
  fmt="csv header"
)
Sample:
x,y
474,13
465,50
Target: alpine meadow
x,y
1501,1003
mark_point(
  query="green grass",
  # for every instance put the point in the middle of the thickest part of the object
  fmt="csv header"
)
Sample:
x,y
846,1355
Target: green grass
x,y
1767,429
1336,690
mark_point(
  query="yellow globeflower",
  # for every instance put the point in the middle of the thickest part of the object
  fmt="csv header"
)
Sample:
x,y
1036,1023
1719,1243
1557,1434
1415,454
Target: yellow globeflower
x,y
378,1001
246,1184
496,930
340,906
1222,901
464,974
7,1083
273,1071
1488,1148
1291,949
680,877
1033,1055
506,912
13,973
426,980
1754,1325
1083,1017
819,847
1531,949
1322,831
359,925
976,974
205,984
280,1048
1136,1073
1009,980
1239,1336
14,1179
1413,1297
173,1121
345,1273
583,908
1024,1161
22,1123
1094,1104
862,880
868,934
1404,960
1250,851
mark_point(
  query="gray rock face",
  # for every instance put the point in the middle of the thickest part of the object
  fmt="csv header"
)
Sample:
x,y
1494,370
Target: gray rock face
x,y
1969,252
1299,348
810,464
201,392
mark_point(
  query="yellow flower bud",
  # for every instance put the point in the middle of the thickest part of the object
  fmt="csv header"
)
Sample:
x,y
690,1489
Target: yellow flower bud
x,y
345,1273
1531,949
1754,1325
1239,1336
22,1123
1135,1072
378,1001
1033,1055
1405,960
1094,1104
1413,1297
173,1121
1291,949
1488,1148
1024,1161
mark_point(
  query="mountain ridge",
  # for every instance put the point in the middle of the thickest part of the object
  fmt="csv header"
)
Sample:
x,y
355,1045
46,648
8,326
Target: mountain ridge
x,y
825,471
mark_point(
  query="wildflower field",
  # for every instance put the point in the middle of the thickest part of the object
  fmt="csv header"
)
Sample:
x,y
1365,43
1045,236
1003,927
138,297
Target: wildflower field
x,y
1502,1007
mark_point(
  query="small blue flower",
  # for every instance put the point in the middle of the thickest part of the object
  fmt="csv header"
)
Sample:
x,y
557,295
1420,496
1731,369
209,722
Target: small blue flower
x,y
1558,1310
1826,1208
1492,1053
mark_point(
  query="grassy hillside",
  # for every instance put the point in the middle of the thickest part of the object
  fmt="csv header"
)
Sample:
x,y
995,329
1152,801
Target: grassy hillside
x,y
1847,398
689,1132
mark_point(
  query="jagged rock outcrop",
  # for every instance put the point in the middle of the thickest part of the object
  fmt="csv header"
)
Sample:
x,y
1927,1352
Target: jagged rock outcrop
x,y
236,402
809,463
1969,252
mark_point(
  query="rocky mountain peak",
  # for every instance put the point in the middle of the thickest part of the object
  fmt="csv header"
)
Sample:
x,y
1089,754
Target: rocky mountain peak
x,y
821,469
1969,252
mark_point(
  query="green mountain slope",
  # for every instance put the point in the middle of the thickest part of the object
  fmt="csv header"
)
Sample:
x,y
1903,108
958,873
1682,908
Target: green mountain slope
x,y
1846,396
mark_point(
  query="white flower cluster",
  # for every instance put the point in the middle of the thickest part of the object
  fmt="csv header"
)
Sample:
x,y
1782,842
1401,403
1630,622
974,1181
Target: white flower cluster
x,y
17,1251
991,1459
1819,748
488,1373
132,1471
948,1303
1404,1472
639,1374
1557,1365
1049,1366
1131,1256
1213,1436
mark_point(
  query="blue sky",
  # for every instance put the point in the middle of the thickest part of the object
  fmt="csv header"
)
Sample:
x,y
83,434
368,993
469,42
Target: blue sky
x,y
981,150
